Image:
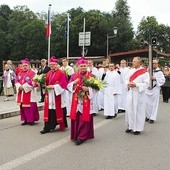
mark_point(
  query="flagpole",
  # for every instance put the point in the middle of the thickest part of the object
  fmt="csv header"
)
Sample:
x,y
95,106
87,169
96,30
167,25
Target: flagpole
x,y
49,13
68,32
84,35
48,50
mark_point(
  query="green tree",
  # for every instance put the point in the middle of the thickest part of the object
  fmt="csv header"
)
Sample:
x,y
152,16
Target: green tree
x,y
19,18
2,45
149,27
33,35
5,12
121,19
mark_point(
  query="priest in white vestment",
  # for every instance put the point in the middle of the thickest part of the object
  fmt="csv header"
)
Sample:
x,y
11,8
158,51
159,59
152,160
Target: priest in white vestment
x,y
137,82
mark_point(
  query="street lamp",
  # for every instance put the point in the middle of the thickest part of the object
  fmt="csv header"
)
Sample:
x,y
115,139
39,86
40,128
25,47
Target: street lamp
x,y
112,36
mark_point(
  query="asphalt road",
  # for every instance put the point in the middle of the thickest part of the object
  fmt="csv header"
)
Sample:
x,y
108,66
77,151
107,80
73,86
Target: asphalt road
x,y
23,147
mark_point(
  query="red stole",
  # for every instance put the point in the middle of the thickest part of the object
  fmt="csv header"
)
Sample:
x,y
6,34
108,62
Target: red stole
x,y
86,100
53,78
22,95
137,73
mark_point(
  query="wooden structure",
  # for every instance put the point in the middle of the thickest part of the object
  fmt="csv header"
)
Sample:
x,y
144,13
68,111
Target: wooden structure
x,y
143,53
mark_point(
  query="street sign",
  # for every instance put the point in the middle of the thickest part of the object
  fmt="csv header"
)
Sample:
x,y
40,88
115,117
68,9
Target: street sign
x,y
86,38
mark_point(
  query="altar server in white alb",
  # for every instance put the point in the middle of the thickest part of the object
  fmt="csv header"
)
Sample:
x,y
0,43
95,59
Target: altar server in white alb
x,y
124,70
67,96
137,82
153,94
112,90
95,72
102,75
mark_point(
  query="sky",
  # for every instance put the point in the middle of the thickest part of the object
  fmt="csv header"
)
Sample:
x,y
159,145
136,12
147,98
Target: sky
x,y
138,8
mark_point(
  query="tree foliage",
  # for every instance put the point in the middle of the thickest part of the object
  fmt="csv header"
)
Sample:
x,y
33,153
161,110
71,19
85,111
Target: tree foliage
x,y
22,32
149,28
122,20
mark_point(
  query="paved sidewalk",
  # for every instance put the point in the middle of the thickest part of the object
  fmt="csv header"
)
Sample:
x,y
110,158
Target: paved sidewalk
x,y
10,108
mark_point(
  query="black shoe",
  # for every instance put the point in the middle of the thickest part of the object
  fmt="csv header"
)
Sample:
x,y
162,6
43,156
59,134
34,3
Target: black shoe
x,y
94,114
146,119
128,130
79,141
44,131
31,123
109,117
151,121
24,123
41,101
121,111
136,133
115,116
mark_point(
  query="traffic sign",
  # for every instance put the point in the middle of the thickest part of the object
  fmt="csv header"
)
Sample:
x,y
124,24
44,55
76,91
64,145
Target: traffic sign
x,y
86,39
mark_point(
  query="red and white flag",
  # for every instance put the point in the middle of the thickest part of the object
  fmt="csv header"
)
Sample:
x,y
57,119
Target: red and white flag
x,y
48,25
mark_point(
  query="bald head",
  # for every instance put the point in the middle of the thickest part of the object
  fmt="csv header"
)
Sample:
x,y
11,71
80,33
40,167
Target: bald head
x,y
137,61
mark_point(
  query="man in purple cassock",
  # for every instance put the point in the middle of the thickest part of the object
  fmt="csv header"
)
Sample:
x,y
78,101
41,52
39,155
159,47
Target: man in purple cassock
x,y
26,94
81,114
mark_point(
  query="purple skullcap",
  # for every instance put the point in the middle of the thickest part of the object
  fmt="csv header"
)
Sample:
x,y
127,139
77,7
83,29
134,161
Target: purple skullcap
x,y
53,60
25,61
81,60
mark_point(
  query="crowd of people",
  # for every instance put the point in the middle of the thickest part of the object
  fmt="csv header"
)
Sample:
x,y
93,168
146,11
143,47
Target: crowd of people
x,y
129,90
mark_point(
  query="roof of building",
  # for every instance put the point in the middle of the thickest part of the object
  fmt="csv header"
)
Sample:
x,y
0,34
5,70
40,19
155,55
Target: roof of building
x,y
137,52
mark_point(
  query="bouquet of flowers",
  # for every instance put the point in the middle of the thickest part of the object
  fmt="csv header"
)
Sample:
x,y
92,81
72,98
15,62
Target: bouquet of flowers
x,y
40,79
67,72
94,83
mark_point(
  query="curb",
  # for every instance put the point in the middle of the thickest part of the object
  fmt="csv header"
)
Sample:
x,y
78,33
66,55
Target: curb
x,y
15,113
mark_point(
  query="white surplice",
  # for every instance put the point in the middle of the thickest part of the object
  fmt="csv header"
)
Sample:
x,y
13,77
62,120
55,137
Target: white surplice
x,y
67,96
80,101
101,92
122,97
152,96
58,90
96,105
111,92
27,88
136,101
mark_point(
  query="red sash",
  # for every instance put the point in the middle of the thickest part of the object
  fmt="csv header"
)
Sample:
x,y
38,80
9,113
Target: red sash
x,y
59,110
86,101
136,74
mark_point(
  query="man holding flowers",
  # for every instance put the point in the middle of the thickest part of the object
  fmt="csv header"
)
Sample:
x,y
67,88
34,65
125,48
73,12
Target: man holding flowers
x,y
56,84
81,107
